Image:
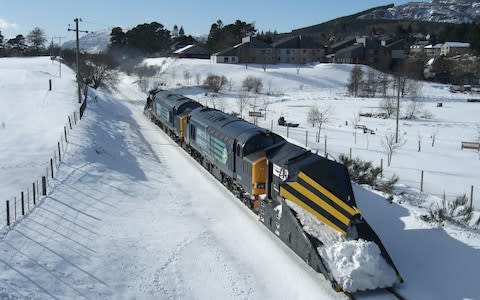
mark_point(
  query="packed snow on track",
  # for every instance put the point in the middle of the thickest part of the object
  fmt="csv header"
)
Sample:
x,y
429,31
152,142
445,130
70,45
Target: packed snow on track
x,y
356,265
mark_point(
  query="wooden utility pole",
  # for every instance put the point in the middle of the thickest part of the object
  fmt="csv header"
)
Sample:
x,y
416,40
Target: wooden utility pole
x,y
398,109
77,31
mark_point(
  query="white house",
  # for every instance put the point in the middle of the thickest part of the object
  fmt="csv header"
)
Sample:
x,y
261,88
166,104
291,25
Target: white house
x,y
229,56
454,48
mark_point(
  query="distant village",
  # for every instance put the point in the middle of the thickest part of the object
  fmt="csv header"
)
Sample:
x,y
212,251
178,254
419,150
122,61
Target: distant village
x,y
438,62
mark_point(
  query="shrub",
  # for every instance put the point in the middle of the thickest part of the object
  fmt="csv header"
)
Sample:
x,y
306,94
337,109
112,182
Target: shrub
x,y
362,172
252,83
215,82
457,211
387,186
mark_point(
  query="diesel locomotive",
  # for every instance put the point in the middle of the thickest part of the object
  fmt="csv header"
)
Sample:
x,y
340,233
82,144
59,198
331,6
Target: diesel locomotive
x,y
264,170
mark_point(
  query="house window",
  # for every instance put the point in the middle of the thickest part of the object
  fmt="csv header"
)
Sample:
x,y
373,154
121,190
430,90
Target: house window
x,y
225,59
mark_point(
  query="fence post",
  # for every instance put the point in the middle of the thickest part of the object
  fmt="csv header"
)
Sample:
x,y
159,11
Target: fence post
x,y
271,126
44,186
287,130
8,213
23,205
75,117
421,182
381,167
350,153
34,194
471,196
70,122
59,153
325,146
51,166
306,138
65,130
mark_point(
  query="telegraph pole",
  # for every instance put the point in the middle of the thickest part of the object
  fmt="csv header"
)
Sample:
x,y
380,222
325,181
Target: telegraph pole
x,y
59,54
76,20
398,109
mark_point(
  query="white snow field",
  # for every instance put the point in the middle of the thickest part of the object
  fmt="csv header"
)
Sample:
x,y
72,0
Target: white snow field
x,y
132,216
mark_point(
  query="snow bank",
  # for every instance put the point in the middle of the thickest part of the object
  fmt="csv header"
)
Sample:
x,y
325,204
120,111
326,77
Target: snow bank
x,y
356,265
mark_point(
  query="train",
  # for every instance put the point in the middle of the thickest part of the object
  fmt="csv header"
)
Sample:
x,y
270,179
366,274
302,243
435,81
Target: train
x,y
266,172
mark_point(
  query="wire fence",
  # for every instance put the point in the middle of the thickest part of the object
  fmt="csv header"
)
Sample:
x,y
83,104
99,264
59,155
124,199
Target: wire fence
x,y
420,182
19,206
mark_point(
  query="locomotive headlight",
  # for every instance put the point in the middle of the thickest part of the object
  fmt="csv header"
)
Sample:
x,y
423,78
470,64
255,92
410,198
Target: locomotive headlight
x,y
261,185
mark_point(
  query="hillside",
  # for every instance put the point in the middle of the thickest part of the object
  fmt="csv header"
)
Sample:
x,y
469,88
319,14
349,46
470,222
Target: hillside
x,y
443,11
423,17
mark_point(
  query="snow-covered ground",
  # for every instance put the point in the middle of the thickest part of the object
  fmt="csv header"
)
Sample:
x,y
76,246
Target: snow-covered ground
x,y
132,216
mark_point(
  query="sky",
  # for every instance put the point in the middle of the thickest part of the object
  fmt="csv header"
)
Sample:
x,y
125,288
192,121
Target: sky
x,y
54,17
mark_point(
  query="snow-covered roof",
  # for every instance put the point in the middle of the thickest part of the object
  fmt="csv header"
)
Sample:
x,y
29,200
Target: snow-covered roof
x,y
457,44
183,49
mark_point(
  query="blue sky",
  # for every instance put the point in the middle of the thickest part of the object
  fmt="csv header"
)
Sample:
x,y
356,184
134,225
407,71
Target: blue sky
x,y
54,16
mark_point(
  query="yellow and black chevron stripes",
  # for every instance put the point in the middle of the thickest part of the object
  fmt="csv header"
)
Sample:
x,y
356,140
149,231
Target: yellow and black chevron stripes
x,y
318,201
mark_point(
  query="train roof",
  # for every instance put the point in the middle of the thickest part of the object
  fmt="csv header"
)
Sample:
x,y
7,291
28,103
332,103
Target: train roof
x,y
173,100
287,153
229,125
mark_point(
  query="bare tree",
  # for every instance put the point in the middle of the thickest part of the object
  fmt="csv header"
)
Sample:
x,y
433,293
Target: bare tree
x,y
242,101
414,91
98,69
388,106
215,82
252,83
355,80
355,121
434,136
383,83
370,85
419,140
320,117
187,75
389,144
198,79
37,39
269,85
312,114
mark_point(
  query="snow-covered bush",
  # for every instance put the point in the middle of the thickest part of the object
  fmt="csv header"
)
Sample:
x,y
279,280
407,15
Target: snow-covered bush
x,y
215,82
362,172
388,185
252,83
458,211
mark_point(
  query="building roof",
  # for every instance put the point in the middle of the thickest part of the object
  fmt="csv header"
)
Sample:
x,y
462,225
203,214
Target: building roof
x,y
457,44
232,51
436,46
350,50
344,43
296,42
193,49
397,45
254,43
181,50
